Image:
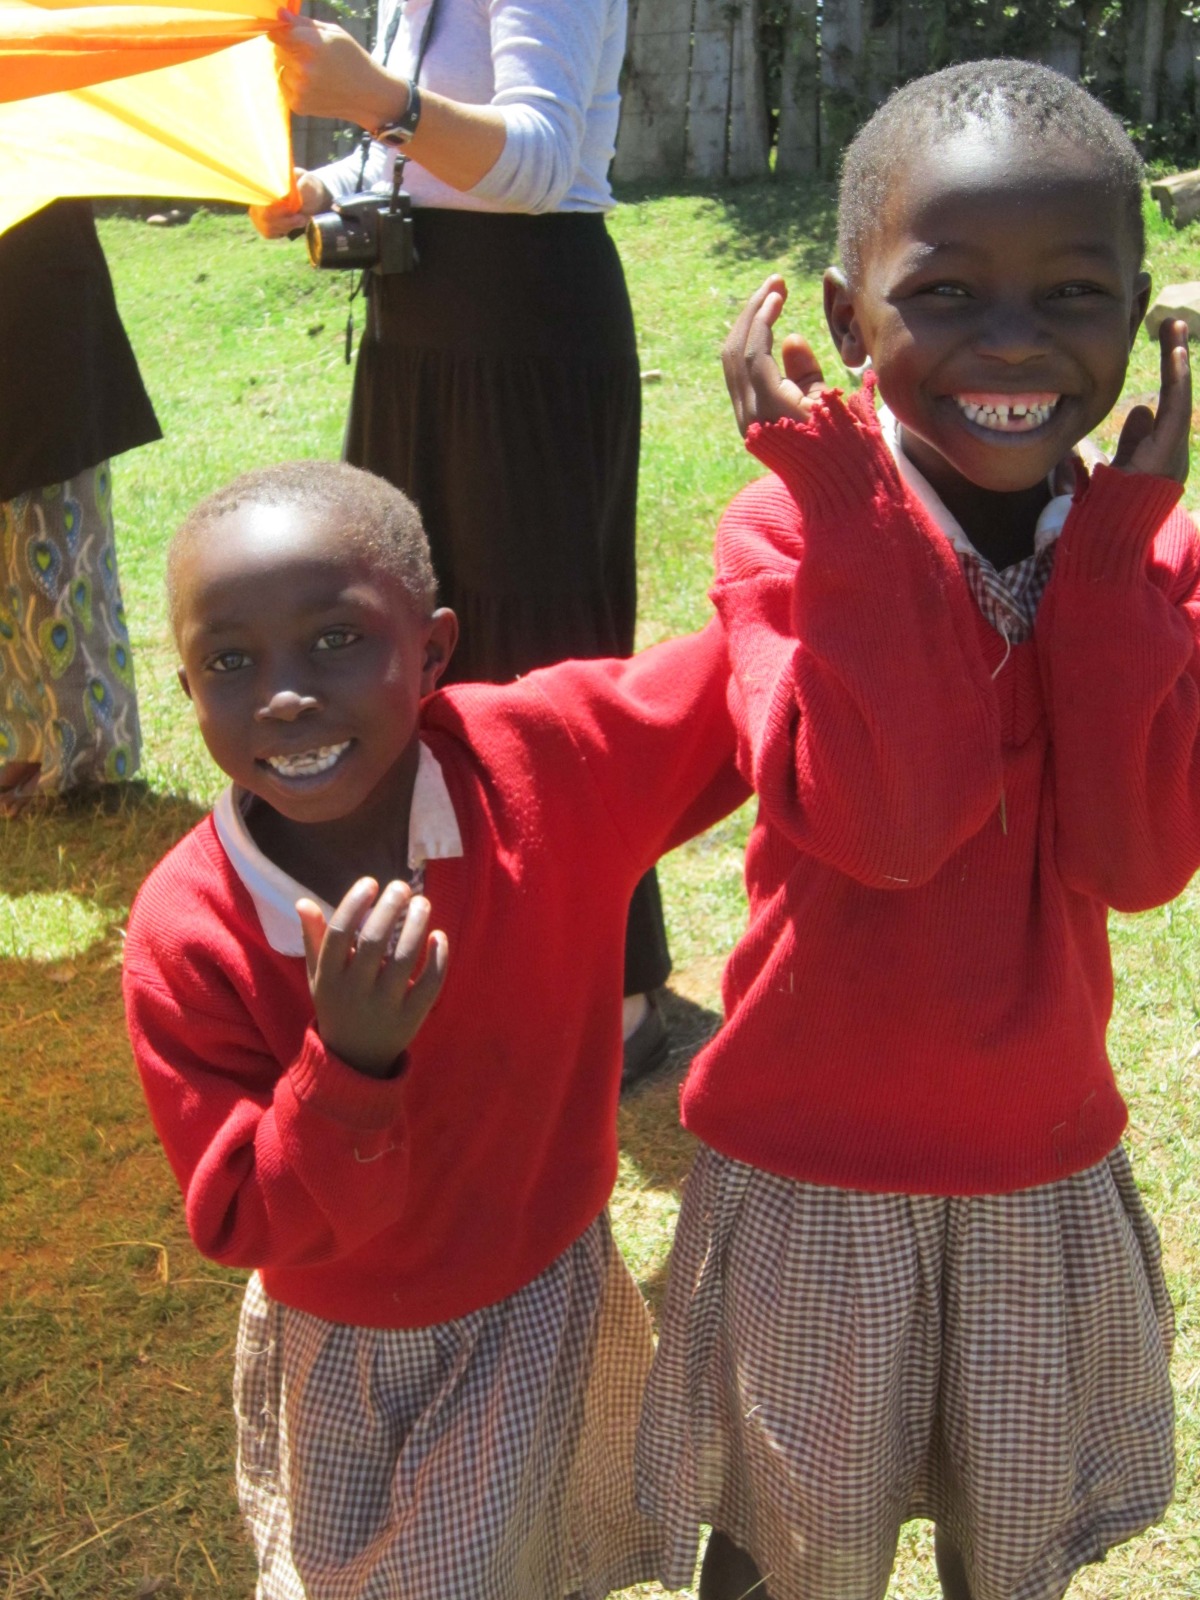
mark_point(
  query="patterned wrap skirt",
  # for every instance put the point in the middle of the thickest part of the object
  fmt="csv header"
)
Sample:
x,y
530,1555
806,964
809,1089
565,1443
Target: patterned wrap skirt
x,y
489,1458
67,701
834,1363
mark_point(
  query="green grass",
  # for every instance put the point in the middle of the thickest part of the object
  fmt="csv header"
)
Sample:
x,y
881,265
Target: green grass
x,y
115,1337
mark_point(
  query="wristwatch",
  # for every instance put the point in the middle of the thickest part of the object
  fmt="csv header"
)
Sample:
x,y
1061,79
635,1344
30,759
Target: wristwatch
x,y
402,130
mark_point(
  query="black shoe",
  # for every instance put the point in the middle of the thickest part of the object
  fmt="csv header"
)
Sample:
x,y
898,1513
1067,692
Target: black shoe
x,y
647,1047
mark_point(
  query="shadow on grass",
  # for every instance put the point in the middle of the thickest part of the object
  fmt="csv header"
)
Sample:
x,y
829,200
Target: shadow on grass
x,y
648,1127
98,843
770,217
68,874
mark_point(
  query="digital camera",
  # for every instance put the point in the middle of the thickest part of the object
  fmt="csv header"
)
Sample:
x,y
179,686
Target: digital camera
x,y
367,230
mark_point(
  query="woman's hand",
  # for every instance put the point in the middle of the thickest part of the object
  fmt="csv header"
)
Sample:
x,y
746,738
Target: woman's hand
x,y
1158,442
759,391
282,217
368,1004
323,72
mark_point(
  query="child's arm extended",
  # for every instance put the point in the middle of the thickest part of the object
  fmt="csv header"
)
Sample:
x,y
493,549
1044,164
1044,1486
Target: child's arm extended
x,y
282,1162
654,733
868,720
1119,644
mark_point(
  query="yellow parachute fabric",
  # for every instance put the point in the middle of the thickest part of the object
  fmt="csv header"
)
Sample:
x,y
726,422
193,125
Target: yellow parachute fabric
x,y
165,100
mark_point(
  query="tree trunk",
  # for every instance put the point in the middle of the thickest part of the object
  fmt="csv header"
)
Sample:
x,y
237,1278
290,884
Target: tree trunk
x,y
797,149
1151,61
748,151
841,53
652,139
709,89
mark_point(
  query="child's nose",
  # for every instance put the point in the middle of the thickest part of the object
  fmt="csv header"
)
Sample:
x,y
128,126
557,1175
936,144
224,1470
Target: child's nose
x,y
1012,333
285,705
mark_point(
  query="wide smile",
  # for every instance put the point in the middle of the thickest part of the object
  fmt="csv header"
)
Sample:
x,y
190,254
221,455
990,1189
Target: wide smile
x,y
1008,413
307,763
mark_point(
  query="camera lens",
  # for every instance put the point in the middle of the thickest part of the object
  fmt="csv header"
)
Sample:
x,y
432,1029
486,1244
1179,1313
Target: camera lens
x,y
337,240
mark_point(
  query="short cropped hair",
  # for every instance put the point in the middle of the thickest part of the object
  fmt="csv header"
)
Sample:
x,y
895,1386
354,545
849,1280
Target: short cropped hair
x,y
1006,95
379,520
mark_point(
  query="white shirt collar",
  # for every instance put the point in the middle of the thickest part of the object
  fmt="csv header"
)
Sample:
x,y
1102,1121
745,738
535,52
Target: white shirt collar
x,y
1049,523
433,835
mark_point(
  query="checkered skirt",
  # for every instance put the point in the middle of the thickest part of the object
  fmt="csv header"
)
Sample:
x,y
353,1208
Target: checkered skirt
x,y
833,1363
489,1458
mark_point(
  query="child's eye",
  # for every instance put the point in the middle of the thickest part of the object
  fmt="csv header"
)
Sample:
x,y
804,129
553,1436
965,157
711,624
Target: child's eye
x,y
227,661
946,291
337,639
1076,291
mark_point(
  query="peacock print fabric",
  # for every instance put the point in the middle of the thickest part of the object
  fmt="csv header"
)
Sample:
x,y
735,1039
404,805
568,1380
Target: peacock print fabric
x,y
67,700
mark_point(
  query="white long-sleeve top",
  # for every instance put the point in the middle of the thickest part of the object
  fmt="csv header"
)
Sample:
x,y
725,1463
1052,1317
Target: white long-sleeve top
x,y
551,67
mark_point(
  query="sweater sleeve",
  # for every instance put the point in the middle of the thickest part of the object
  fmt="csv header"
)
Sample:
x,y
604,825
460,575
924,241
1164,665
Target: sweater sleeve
x,y
656,736
281,1164
546,57
868,723
1119,645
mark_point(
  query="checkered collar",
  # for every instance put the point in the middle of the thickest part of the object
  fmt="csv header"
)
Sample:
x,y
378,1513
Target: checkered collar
x,y
433,835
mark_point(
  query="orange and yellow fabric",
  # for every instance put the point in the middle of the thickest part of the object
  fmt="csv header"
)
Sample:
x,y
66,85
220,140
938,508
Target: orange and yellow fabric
x,y
166,100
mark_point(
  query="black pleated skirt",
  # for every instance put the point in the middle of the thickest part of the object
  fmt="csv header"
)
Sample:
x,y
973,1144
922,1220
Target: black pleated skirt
x,y
498,385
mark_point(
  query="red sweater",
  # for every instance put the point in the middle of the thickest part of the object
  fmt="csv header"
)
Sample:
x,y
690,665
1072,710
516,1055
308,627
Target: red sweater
x,y
416,1200
920,1001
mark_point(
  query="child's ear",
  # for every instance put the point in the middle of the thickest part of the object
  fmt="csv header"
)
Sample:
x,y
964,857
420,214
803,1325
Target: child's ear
x,y
439,647
1141,304
181,674
842,318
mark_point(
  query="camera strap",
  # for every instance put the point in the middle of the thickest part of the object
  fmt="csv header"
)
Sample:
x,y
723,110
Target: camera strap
x,y
389,39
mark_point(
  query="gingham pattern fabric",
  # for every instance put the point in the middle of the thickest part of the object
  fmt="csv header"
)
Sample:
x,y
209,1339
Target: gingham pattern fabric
x,y
834,1363
485,1459
1009,599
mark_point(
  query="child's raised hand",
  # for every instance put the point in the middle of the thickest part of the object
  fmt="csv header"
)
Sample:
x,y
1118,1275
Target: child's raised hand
x,y
759,391
369,1007
1158,442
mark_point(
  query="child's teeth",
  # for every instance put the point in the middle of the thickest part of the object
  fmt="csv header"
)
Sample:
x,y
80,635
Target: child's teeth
x,y
1019,416
310,763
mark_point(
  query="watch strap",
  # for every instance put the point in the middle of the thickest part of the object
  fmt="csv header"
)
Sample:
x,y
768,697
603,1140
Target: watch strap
x,y
402,130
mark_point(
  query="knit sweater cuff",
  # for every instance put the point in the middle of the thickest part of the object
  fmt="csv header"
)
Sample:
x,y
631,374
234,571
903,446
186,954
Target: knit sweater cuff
x,y
835,463
331,1087
1111,527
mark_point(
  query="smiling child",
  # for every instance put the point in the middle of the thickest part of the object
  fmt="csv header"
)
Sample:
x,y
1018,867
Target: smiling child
x,y
410,1134
912,1275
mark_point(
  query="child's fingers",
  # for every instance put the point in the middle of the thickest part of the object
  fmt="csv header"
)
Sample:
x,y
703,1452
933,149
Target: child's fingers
x,y
1159,443
410,943
1174,421
428,985
772,288
1135,430
342,932
746,353
800,365
312,930
376,931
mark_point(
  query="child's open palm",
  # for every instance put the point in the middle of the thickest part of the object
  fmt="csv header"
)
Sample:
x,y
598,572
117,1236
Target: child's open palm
x,y
759,391
1157,442
369,1006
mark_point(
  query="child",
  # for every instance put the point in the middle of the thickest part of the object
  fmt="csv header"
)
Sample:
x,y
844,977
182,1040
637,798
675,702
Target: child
x,y
410,1134
912,1275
